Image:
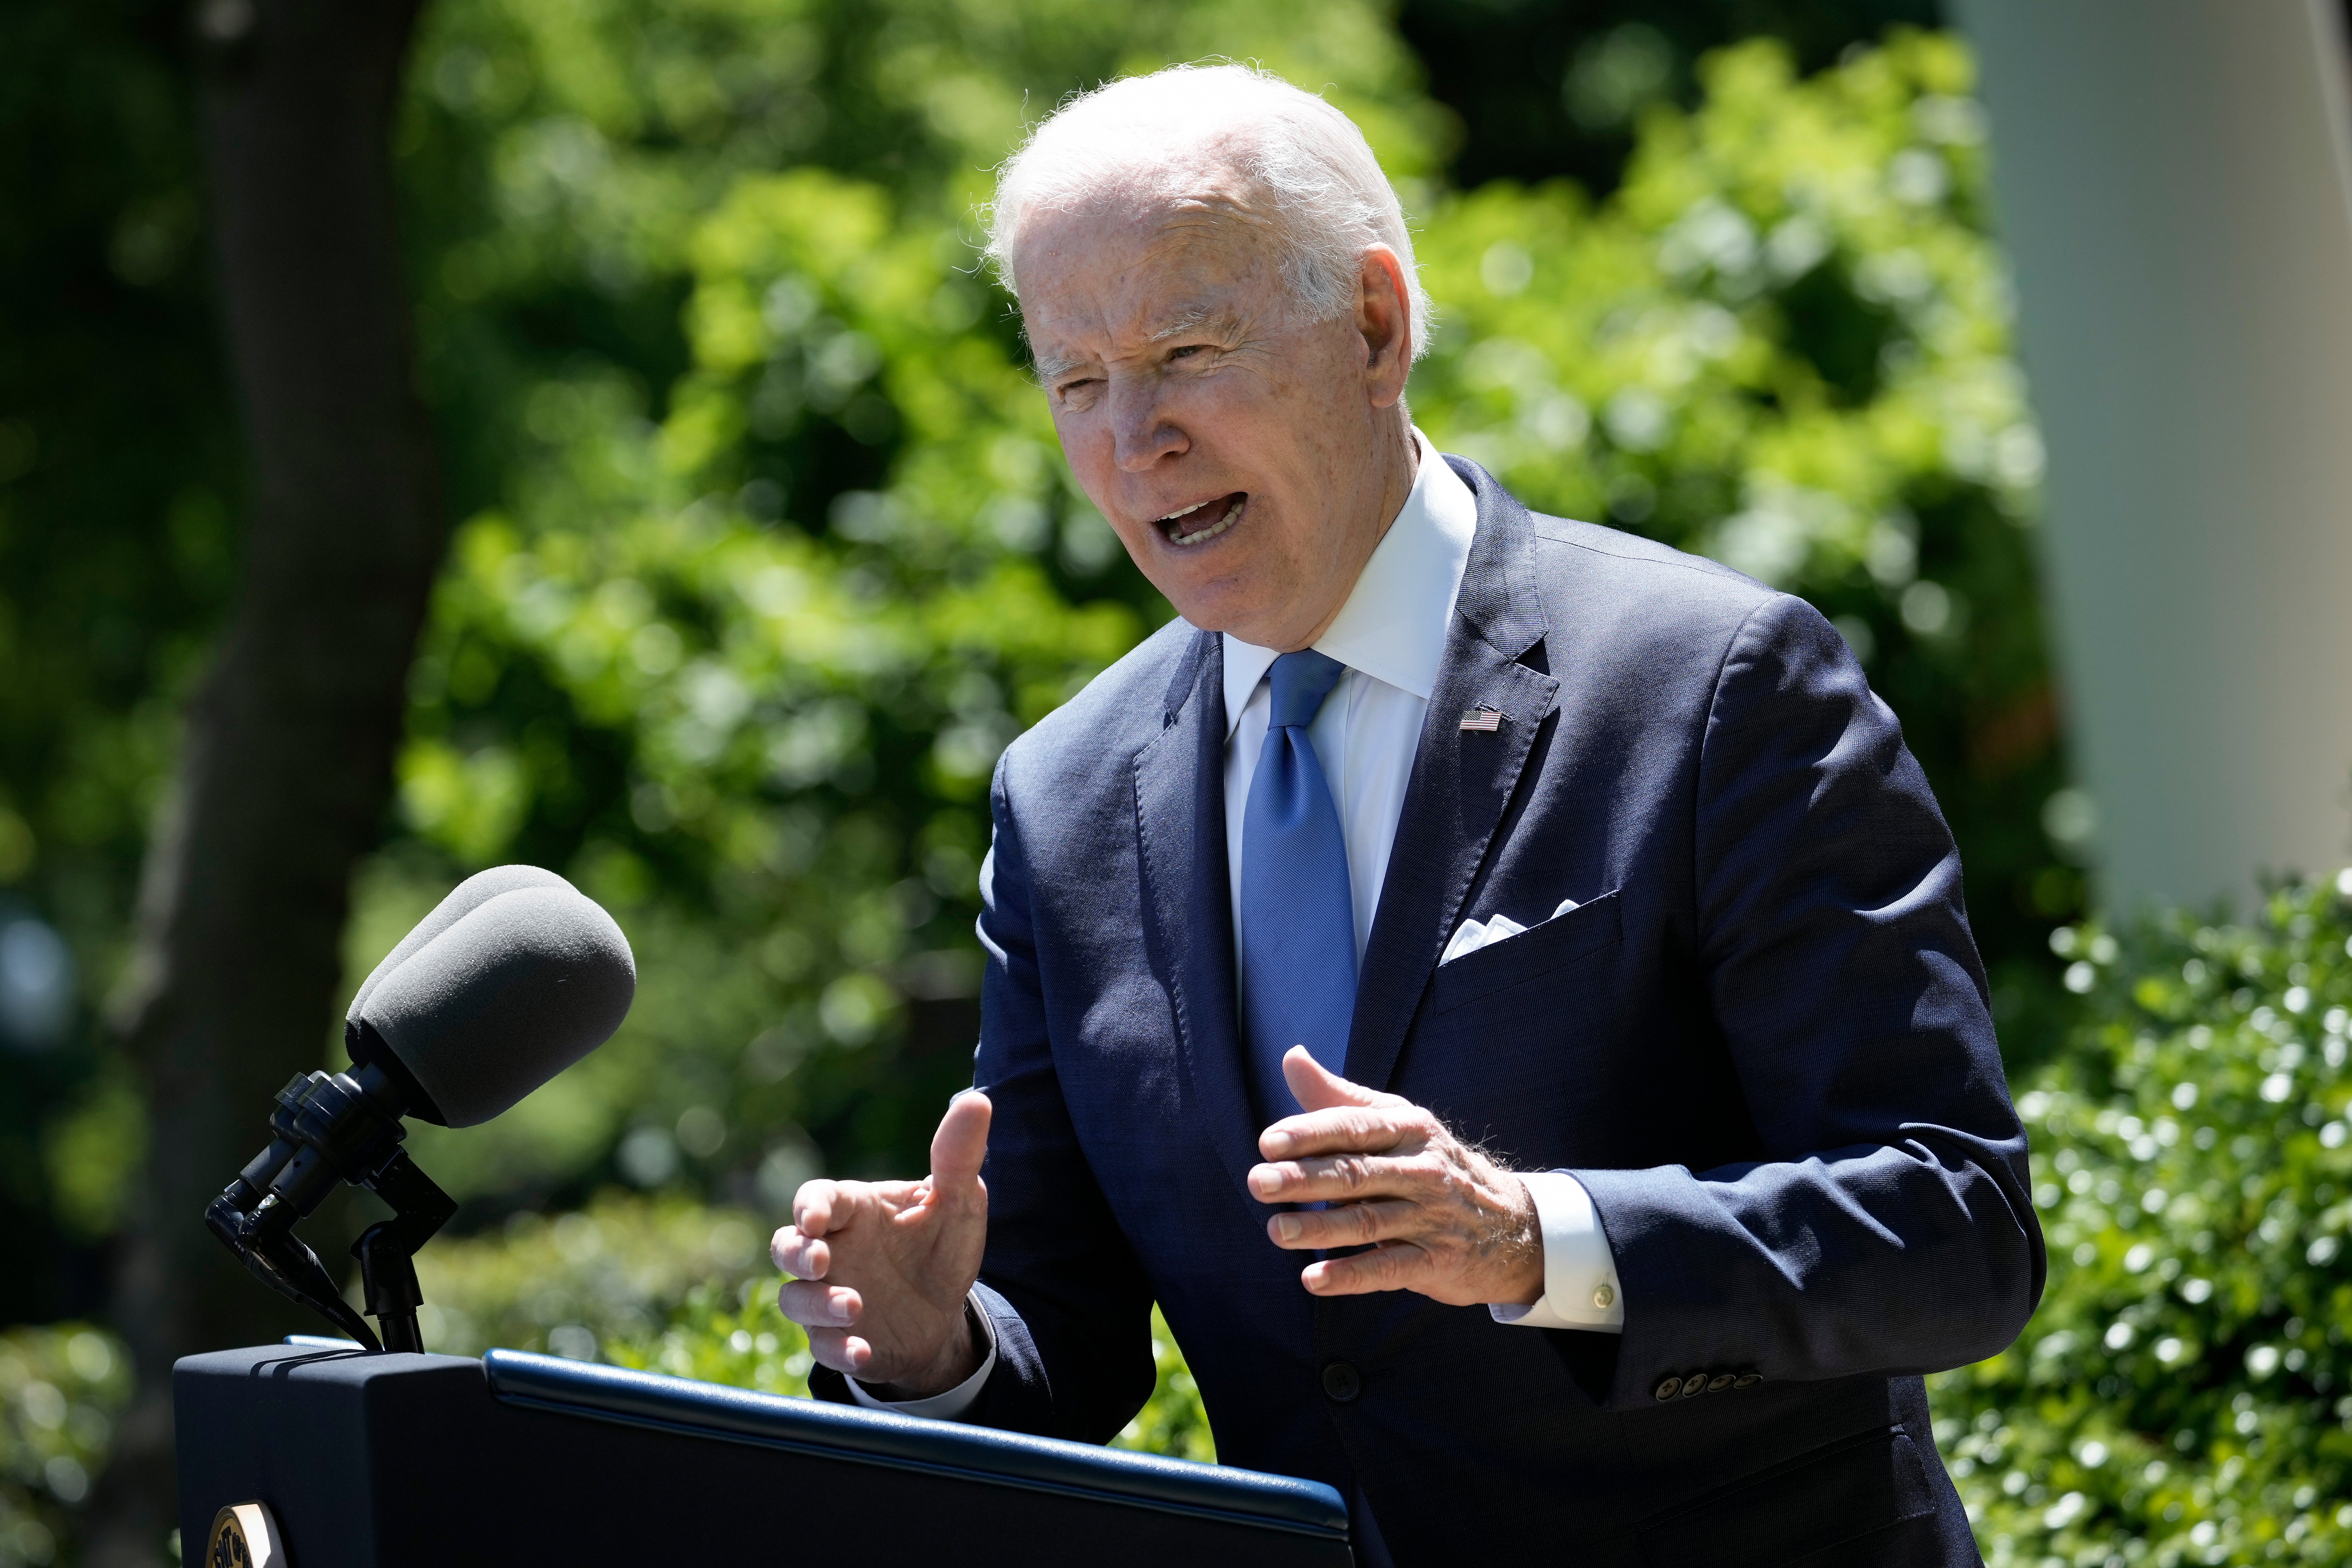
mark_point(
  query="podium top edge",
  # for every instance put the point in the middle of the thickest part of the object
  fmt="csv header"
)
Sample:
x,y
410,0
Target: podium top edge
x,y
875,1437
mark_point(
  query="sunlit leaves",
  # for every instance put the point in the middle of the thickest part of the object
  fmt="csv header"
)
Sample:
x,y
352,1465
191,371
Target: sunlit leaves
x,y
2184,1380
1785,324
61,1389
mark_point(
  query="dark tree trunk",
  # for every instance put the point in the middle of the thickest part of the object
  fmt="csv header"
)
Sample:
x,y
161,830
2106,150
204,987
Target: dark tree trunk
x,y
286,768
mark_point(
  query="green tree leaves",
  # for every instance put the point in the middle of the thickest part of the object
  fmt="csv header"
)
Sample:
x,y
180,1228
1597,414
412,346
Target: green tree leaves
x,y
2183,1394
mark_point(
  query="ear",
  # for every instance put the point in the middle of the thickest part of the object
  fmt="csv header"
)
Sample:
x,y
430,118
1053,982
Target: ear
x,y
1384,315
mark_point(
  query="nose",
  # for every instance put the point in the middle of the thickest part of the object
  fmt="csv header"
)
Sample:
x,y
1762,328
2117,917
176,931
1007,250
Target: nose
x,y
1142,430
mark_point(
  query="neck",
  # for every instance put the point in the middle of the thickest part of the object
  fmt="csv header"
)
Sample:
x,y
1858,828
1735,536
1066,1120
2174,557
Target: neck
x,y
1396,461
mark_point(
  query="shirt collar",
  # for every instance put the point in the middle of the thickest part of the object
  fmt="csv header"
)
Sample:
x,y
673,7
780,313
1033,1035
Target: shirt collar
x,y
1393,626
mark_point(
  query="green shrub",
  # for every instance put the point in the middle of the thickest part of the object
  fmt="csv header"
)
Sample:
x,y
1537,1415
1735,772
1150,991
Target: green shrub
x,y
607,1282
669,1286
61,1388
2184,1395
1172,1421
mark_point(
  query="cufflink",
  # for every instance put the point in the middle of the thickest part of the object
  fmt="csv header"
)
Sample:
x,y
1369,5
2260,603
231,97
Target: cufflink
x,y
1604,1298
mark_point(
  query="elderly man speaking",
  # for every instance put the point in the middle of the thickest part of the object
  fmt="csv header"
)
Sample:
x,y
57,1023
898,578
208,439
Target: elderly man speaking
x,y
1499,984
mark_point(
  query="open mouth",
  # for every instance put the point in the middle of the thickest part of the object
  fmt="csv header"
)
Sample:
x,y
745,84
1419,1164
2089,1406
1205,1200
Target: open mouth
x,y
1204,521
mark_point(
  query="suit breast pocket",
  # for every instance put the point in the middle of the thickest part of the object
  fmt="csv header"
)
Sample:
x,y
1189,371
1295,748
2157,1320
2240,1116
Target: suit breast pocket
x,y
1534,952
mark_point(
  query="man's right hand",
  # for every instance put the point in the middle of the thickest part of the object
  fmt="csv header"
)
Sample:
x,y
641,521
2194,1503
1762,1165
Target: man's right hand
x,y
894,1261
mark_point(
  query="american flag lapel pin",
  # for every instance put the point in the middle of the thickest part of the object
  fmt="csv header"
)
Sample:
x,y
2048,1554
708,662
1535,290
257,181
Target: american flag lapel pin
x,y
1482,718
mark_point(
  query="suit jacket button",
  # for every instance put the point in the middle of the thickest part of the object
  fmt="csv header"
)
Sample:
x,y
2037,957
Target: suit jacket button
x,y
1695,1384
1719,1381
1747,1380
1341,1381
1670,1387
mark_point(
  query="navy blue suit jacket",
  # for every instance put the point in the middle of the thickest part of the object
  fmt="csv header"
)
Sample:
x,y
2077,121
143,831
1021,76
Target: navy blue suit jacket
x,y
1761,1041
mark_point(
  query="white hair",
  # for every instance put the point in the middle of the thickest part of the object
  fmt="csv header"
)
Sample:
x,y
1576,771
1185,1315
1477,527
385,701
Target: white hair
x,y
1155,136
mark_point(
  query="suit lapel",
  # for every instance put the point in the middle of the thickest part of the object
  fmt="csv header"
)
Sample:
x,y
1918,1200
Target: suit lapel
x,y
1461,781
1180,824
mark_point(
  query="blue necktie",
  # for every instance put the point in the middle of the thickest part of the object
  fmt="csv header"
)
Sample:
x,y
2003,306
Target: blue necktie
x,y
1298,921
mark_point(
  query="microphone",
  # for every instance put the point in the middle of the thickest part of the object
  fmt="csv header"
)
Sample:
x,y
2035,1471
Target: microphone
x,y
512,978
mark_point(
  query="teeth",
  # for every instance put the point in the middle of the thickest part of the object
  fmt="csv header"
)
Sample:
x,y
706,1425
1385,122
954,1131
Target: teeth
x,y
1206,535
1186,512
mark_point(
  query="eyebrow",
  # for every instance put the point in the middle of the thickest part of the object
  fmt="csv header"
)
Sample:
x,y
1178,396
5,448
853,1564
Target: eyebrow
x,y
1053,369
1212,322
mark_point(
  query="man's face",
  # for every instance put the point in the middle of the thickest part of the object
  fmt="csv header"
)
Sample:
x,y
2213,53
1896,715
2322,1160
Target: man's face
x,y
1247,458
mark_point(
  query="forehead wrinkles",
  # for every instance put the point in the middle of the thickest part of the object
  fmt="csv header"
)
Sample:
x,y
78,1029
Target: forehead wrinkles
x,y
1117,280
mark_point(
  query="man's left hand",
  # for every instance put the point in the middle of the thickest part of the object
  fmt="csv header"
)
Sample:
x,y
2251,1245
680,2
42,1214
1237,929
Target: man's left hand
x,y
1441,1217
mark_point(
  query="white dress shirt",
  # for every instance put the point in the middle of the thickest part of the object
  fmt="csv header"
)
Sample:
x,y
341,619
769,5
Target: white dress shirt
x,y
1391,634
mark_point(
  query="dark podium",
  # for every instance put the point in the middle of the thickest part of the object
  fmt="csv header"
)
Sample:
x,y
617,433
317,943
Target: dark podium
x,y
386,1460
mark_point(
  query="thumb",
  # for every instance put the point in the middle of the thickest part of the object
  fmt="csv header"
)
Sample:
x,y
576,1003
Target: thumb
x,y
1318,1088
959,1145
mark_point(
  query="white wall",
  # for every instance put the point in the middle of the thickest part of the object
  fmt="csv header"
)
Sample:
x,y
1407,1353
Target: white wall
x,y
2172,184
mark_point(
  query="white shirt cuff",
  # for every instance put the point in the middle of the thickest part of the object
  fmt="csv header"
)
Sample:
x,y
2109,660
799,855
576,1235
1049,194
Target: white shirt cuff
x,y
945,1406
1580,1289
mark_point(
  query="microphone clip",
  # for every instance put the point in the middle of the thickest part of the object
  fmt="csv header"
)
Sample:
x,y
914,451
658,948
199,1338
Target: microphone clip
x,y
329,1128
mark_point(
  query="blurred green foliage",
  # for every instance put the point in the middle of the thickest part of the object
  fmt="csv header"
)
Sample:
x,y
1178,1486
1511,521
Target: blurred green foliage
x,y
119,483
1545,89
669,1286
1173,1421
61,1388
2184,1394
612,1273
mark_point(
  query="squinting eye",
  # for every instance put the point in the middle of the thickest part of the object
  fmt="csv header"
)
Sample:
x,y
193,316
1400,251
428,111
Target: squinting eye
x,y
1187,351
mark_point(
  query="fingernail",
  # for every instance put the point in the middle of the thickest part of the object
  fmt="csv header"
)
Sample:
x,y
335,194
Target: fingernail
x,y
1287,1226
1265,1183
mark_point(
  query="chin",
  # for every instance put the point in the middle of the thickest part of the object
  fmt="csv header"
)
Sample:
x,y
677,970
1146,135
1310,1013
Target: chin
x,y
1237,612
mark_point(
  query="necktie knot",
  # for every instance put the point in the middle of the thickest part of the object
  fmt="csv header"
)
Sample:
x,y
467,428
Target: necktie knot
x,y
1301,681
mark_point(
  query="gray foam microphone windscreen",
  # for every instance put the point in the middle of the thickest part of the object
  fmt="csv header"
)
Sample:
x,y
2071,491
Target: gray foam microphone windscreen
x,y
464,899
515,976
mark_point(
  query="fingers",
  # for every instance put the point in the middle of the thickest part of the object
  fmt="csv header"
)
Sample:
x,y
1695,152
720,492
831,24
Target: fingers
x,y
803,1257
1340,1116
1345,1178
840,1351
1318,1088
816,1207
823,1207
1347,1129
814,1305
1352,1225
1391,1265
960,1146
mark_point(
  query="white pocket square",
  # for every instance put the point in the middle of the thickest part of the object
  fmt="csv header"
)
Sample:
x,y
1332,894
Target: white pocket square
x,y
1472,935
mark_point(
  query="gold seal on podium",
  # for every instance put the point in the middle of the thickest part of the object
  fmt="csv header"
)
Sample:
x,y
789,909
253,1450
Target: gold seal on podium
x,y
245,1536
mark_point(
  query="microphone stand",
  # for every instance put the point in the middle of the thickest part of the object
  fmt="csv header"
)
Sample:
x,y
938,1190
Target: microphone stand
x,y
387,1250
329,1128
